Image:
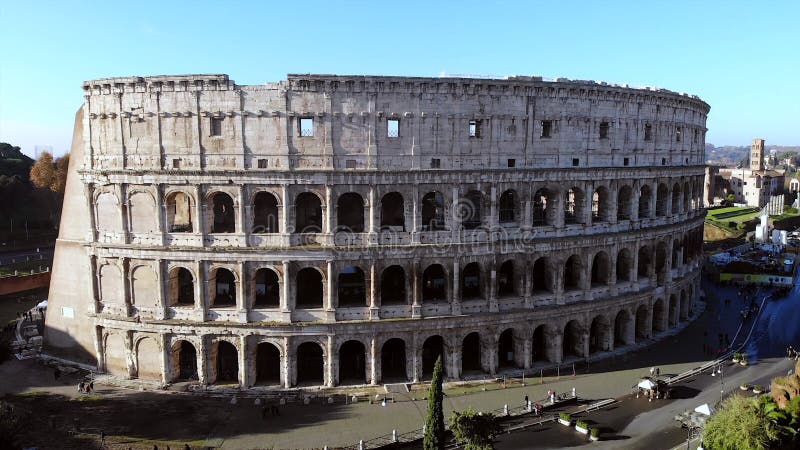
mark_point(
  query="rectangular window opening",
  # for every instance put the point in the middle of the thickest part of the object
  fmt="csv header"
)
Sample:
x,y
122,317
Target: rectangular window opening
x,y
306,125
216,126
625,161
696,136
603,130
648,132
350,164
392,128
576,162
262,163
475,128
678,135
176,163
547,128
435,163
512,163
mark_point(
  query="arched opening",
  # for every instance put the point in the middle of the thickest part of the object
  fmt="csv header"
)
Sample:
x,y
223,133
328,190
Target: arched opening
x,y
624,265
676,251
687,197
142,212
227,363
641,324
179,213
350,213
310,363
540,213
267,293
471,210
572,345
541,281
268,364
471,281
673,311
224,218
598,335
432,349
573,206
184,357
676,198
658,315
308,213
505,349
600,269
662,197
393,360
684,310
661,263
600,205
393,286
434,284
645,196
572,273
539,344
471,354
393,212
224,287
505,280
644,262
622,328
181,287
309,288
265,213
433,212
508,206
624,203
352,363
351,289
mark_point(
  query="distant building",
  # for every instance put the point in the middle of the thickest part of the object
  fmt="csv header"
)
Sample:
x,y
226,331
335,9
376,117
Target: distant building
x,y
753,186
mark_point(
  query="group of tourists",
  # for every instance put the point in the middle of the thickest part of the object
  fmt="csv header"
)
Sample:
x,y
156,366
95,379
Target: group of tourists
x,y
791,353
86,388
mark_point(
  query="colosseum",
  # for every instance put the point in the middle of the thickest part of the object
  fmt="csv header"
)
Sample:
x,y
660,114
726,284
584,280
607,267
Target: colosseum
x,y
335,230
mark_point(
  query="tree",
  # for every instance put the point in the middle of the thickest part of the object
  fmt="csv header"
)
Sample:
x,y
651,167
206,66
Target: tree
x,y
434,425
43,172
11,427
62,168
741,424
475,430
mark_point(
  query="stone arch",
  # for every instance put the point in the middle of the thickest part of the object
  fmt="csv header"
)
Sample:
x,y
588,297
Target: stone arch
x,y
658,315
508,206
310,363
622,328
572,340
661,263
505,348
433,347
393,286
184,361
471,286
393,212
624,264
181,287
601,269
600,209
309,288
111,284
573,273
179,212
645,198
352,363
144,286
107,207
393,360
265,213
684,308
350,213
308,213
676,249
222,282
223,215
351,288
434,284
268,364
148,359
688,201
116,355
643,268
225,360
471,209
676,198
673,311
662,197
142,212
541,276
432,211
624,202
267,288
471,355
642,328
573,205
599,335
506,283
542,205
539,344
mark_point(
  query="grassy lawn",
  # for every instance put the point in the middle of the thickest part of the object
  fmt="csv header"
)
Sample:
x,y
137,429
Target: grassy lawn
x,y
24,267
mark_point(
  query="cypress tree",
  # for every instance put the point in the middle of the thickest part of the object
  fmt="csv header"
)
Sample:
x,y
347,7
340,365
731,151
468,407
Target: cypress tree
x,y
434,425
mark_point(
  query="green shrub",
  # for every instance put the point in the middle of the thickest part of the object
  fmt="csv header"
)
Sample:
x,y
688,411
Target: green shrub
x,y
582,424
595,432
566,417
758,387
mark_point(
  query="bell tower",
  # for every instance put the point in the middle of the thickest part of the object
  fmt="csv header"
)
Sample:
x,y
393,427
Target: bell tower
x,y
757,154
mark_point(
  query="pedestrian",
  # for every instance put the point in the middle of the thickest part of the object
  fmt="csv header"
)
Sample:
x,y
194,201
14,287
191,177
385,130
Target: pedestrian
x,y
90,387
80,387
658,371
652,370
186,447
526,400
102,437
574,394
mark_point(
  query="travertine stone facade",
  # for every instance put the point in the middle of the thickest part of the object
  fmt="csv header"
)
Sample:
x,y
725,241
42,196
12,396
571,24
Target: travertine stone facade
x,y
329,230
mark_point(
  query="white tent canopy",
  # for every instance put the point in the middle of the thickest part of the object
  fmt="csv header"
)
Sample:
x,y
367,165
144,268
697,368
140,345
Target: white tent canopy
x,y
646,384
42,304
704,409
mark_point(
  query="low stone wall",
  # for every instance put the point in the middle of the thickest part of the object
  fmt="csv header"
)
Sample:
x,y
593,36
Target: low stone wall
x,y
14,284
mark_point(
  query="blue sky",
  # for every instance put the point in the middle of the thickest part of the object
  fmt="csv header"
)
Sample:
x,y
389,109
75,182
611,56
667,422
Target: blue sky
x,y
743,58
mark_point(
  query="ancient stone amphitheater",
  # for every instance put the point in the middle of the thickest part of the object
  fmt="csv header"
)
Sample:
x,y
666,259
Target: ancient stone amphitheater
x,y
337,230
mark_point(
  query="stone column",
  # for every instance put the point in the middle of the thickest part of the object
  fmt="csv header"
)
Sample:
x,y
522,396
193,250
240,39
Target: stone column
x,y
199,214
374,210
454,371
246,378
493,305
455,305
330,296
554,346
527,214
330,364
489,354
527,282
201,306
456,227
161,215
494,219
523,350
130,364
328,210
288,364
286,303
284,210
88,193
202,361
166,354
415,214
241,292
374,301
94,306
374,362
653,199
120,190
126,286
415,362
161,299
416,306
99,349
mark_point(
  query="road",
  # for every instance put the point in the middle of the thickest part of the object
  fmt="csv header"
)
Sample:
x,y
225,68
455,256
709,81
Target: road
x,y
7,258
